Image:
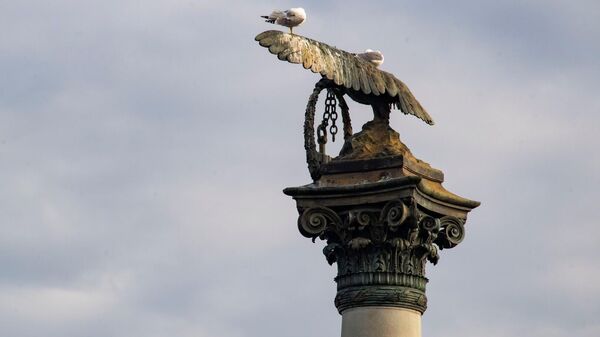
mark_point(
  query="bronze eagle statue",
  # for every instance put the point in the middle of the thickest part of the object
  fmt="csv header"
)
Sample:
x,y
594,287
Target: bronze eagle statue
x,y
355,76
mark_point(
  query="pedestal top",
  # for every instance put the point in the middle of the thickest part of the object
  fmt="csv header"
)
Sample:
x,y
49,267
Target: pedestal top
x,y
351,182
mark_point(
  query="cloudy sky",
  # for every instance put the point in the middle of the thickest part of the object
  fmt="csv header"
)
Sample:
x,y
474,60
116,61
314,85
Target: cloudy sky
x,y
144,146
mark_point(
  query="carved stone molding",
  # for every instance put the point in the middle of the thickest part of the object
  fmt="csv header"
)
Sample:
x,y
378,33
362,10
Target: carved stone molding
x,y
400,297
381,249
381,227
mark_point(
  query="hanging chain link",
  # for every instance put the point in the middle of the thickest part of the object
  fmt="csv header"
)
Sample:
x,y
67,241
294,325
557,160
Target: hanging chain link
x,y
322,130
329,114
330,108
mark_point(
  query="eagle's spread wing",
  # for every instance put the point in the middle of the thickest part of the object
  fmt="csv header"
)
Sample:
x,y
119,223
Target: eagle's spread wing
x,y
343,68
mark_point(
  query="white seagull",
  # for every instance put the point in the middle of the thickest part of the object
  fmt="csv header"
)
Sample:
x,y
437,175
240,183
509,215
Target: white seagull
x,y
375,57
291,18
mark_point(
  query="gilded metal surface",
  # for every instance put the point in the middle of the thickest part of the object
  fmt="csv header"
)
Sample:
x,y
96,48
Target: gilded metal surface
x,y
377,139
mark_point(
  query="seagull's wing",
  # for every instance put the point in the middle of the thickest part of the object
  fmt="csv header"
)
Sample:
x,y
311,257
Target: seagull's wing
x,y
343,68
277,14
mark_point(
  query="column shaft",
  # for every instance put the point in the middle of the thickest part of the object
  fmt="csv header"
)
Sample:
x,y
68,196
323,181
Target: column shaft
x,y
381,322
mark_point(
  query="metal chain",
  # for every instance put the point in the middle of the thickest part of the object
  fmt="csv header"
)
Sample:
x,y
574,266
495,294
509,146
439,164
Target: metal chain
x,y
330,113
322,131
330,110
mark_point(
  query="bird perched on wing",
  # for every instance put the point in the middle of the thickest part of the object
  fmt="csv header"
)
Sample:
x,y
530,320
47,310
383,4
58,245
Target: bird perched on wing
x,y
375,57
291,18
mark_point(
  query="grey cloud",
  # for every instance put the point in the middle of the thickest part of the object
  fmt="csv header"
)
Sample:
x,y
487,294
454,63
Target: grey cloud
x,y
144,149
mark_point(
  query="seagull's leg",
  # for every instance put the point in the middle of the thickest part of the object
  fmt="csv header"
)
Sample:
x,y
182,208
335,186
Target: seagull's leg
x,y
291,31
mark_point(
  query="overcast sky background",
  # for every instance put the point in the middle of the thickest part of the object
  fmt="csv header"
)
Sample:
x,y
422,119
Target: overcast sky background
x,y
144,146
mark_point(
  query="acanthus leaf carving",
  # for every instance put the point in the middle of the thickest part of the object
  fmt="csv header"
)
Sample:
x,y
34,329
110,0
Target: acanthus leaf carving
x,y
381,247
359,243
430,228
331,251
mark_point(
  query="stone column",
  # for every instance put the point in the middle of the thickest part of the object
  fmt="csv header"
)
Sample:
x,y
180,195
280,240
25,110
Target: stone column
x,y
381,225
381,322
